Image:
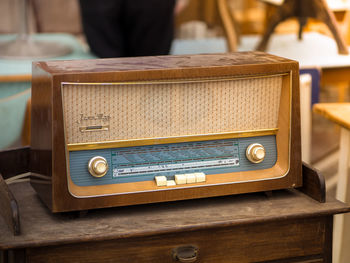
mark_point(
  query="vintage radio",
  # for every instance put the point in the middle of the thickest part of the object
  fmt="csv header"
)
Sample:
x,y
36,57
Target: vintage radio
x,y
116,132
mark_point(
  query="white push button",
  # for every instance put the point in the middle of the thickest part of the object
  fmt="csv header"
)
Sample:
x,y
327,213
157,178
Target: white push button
x,y
180,178
161,180
190,178
200,177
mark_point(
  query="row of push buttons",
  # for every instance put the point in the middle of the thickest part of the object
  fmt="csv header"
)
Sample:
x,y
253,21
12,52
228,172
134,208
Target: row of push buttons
x,y
181,179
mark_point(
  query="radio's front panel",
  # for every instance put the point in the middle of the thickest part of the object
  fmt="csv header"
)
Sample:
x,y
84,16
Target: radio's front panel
x,y
156,136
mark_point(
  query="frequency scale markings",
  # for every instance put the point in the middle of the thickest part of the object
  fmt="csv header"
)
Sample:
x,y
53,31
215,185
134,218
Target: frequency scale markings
x,y
174,158
175,166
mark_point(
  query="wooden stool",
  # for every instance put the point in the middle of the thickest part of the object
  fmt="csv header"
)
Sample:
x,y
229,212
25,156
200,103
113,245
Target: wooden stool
x,y
339,113
303,9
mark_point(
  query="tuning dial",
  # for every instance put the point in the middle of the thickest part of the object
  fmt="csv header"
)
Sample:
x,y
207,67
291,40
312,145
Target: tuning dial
x,y
255,153
98,166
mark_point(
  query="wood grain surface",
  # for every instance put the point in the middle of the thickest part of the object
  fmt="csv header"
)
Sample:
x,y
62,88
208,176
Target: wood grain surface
x,y
240,244
42,228
253,59
14,161
314,184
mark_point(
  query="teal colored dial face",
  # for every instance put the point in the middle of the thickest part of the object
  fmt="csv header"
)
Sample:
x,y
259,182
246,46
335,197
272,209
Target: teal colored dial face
x,y
143,163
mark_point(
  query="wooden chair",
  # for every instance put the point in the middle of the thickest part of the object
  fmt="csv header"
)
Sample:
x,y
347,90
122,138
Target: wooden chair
x,y
212,12
339,113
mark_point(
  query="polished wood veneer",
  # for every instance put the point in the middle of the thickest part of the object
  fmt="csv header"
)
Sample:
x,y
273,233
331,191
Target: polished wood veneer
x,y
49,146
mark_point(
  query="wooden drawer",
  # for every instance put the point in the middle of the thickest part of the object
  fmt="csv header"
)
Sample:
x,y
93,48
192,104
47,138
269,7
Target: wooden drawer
x,y
300,240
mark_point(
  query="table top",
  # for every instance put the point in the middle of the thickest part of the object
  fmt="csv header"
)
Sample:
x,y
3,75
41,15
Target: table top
x,y
39,227
314,50
339,113
13,67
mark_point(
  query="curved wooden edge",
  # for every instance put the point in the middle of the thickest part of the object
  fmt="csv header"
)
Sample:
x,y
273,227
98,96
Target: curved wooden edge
x,y
313,184
9,208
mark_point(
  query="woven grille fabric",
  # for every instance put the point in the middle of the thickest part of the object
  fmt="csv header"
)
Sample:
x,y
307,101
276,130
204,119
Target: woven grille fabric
x,y
168,109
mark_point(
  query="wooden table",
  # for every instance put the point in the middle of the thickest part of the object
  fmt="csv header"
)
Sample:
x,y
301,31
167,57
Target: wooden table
x,y
287,225
339,113
313,51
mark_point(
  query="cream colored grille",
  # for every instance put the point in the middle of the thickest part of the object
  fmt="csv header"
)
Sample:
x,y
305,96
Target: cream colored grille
x,y
154,110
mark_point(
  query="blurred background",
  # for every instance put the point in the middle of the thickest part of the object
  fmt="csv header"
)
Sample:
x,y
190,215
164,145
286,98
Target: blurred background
x,y
201,26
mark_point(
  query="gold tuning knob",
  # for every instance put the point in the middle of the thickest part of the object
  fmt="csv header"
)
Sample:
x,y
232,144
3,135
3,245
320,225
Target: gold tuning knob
x,y
98,166
255,153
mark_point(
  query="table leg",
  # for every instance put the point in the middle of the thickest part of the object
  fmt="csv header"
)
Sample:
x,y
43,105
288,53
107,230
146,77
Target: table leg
x,y
341,234
229,24
342,91
2,256
17,256
305,117
328,240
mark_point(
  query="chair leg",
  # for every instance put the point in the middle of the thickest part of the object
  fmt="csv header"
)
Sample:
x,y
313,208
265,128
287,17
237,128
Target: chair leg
x,y
282,13
342,189
229,24
327,17
342,91
341,222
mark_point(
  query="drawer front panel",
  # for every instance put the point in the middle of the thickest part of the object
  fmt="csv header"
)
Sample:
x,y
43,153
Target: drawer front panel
x,y
248,243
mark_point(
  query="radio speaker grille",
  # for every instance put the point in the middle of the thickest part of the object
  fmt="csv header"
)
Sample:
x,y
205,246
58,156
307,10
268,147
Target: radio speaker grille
x,y
169,109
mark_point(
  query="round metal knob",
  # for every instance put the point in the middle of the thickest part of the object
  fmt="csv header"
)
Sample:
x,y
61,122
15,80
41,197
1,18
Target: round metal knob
x,y
255,153
98,166
186,254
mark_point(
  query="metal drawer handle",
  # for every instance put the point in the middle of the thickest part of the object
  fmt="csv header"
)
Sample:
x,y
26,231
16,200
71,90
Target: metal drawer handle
x,y
185,254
